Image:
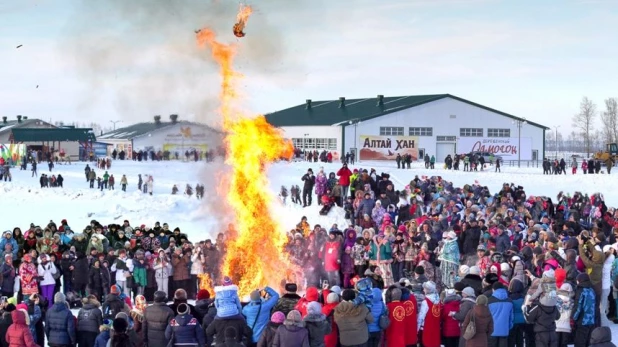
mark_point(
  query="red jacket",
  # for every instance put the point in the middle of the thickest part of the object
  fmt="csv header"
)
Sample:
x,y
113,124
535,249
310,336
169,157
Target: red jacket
x,y
396,331
331,339
344,176
18,334
311,295
411,320
450,326
332,256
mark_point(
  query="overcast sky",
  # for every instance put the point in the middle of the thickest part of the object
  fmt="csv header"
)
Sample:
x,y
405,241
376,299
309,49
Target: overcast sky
x,y
131,59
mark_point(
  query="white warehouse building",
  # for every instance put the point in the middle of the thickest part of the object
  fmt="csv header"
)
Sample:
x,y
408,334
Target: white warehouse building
x,y
382,127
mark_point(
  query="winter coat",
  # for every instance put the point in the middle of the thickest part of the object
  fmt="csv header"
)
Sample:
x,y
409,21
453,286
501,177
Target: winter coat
x,y
450,326
365,208
321,183
601,337
156,318
5,323
28,276
60,325
113,305
318,327
123,268
257,314
89,318
291,336
18,334
465,306
332,256
204,307
103,338
162,271
377,310
286,303
197,267
516,289
47,271
311,295
352,321
484,326
565,307
227,301
344,176
268,335
501,308
475,282
218,326
607,272
584,304
542,317
594,264
186,330
471,238
180,264
81,270
12,242
8,276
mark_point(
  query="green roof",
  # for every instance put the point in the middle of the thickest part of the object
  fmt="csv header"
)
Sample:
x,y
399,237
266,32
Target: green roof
x,y
329,112
52,134
140,129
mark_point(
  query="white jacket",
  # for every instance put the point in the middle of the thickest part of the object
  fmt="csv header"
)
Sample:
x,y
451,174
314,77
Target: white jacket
x,y
196,264
162,271
47,271
422,311
607,272
565,306
120,274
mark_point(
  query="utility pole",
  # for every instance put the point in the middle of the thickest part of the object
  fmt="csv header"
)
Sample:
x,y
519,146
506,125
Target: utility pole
x,y
556,128
519,123
114,122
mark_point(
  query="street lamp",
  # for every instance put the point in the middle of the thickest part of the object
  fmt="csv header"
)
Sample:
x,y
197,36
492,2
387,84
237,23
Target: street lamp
x,y
114,122
519,122
355,122
556,127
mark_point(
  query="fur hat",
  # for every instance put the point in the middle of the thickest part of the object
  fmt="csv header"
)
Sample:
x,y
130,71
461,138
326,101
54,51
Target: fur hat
x,y
60,297
348,295
294,318
291,287
160,296
314,307
464,270
203,294
481,300
277,317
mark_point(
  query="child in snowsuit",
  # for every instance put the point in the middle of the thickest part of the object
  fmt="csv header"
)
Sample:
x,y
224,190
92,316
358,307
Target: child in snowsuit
x,y
584,310
543,316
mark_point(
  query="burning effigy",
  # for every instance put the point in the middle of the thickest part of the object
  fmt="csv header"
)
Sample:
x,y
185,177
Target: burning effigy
x,y
241,20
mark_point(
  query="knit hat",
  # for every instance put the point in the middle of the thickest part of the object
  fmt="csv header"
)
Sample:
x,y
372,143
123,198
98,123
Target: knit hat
x,y
294,317
475,270
203,294
464,270
123,315
277,317
348,295
419,270
114,290
255,295
548,300
230,333
469,292
291,287
160,296
180,294
183,309
120,325
60,297
336,290
332,298
481,300
429,287
491,278
314,307
227,281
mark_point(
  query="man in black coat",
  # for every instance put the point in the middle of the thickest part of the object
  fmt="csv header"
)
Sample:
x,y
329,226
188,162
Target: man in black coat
x,y
180,297
473,279
156,318
288,301
309,182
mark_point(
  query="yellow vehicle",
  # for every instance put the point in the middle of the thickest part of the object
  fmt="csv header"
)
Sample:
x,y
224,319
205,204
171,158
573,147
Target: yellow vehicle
x,y
611,151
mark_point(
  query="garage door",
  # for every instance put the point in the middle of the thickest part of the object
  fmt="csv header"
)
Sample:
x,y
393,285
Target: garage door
x,y
444,149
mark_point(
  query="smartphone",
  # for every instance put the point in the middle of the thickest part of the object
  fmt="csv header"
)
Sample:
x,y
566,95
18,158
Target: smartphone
x,y
3,299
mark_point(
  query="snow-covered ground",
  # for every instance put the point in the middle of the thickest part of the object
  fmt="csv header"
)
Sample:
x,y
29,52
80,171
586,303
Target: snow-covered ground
x,y
22,201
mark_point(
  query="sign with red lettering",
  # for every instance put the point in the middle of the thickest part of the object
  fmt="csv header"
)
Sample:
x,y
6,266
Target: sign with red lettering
x,y
387,147
509,148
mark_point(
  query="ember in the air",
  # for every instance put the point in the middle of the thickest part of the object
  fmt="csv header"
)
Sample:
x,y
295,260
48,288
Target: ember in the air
x,y
241,20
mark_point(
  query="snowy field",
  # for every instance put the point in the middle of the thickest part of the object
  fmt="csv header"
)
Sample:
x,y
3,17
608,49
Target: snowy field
x,y
23,201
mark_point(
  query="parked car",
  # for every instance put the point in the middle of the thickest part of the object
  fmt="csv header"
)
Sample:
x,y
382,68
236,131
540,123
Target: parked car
x,y
485,155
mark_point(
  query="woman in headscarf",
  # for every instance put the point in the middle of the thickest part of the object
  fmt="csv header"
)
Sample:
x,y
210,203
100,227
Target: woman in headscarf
x,y
380,254
449,259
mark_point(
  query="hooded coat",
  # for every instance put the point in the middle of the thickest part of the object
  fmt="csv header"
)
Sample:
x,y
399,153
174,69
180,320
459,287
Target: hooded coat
x,y
501,308
484,326
90,317
311,295
156,318
601,337
317,326
352,321
289,335
450,326
18,334
542,317
60,325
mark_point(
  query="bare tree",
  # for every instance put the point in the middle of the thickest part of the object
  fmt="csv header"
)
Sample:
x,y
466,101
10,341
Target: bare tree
x,y
584,121
609,119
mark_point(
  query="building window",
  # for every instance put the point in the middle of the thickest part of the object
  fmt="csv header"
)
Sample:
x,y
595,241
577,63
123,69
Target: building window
x,y
416,131
393,131
471,132
315,143
446,138
498,132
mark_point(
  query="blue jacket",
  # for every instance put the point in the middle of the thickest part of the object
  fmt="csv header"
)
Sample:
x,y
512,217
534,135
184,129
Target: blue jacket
x,y
186,330
60,325
10,240
501,308
102,339
517,297
584,304
227,301
257,313
377,310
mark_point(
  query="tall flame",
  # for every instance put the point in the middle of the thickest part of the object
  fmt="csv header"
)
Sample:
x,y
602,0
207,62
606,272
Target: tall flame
x,y
255,258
